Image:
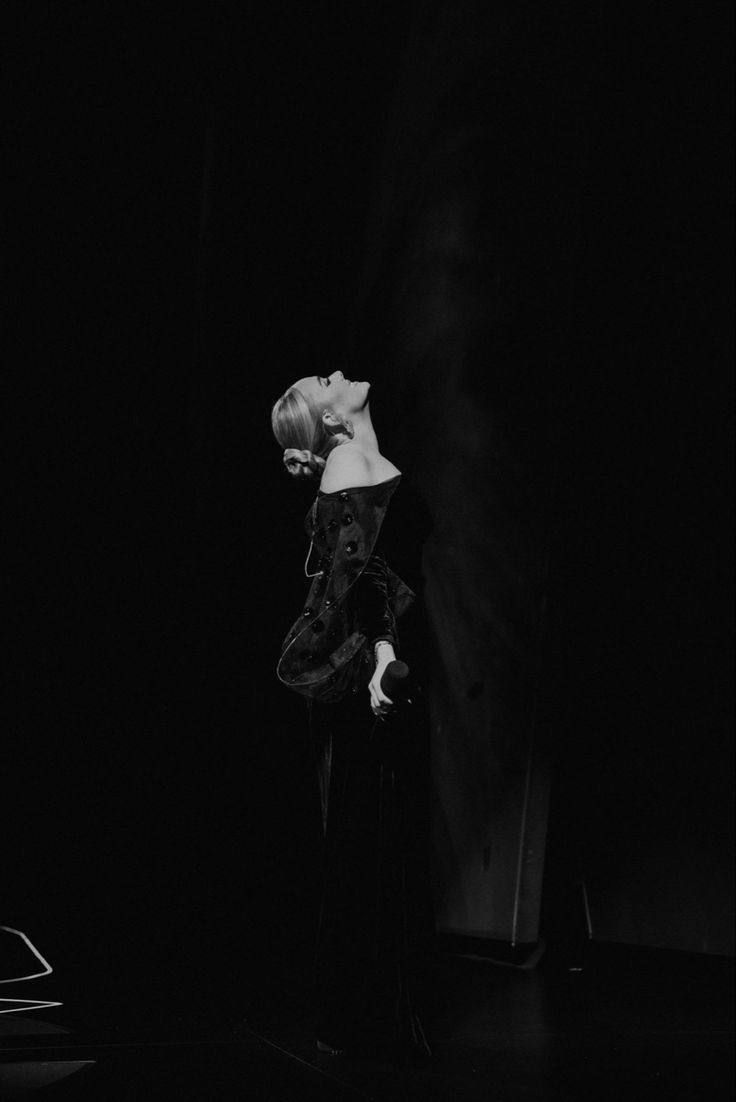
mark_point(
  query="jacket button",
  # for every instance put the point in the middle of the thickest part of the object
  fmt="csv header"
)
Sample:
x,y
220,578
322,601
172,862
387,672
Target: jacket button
x,y
351,548
347,519
307,612
344,496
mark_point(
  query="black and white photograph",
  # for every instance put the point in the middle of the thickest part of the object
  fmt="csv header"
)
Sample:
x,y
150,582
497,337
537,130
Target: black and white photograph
x,y
368,714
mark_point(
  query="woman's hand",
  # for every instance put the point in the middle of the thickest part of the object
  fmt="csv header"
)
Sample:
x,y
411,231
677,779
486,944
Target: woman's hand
x,y
380,703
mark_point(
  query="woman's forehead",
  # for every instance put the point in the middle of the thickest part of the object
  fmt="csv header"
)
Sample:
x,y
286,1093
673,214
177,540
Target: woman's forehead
x,y
310,384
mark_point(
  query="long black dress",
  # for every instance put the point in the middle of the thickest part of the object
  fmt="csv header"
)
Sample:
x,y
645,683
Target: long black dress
x,y
375,914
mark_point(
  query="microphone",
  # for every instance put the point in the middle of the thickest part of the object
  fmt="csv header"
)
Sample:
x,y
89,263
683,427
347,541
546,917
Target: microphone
x,y
395,682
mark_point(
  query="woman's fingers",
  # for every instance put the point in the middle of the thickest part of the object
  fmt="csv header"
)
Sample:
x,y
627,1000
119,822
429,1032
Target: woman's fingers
x,y
380,705
377,696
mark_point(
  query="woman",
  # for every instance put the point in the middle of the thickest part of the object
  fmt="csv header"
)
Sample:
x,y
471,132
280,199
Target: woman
x,y
336,655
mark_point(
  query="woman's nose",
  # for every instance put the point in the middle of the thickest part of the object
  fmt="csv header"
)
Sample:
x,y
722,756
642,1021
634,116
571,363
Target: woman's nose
x,y
337,375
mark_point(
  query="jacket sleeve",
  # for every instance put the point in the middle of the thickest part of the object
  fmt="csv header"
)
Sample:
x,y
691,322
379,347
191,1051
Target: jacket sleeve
x,y
372,596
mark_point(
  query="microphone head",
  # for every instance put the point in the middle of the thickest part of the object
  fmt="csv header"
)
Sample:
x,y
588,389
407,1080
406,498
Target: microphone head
x,y
395,680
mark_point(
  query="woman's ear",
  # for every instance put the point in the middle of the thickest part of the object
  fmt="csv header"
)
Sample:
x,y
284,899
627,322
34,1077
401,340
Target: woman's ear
x,y
331,421
336,425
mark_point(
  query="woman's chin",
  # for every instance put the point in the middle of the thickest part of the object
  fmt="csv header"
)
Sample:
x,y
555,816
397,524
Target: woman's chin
x,y
362,390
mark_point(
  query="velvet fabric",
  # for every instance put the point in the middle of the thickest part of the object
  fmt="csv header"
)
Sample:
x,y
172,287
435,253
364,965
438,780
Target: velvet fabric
x,y
375,913
354,598
369,942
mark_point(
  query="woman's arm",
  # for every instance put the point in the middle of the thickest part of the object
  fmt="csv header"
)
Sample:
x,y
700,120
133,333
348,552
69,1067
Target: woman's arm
x,y
373,601
378,622
384,653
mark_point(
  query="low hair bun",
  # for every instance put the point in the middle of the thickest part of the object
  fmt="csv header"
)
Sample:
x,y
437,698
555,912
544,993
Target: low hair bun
x,y
303,464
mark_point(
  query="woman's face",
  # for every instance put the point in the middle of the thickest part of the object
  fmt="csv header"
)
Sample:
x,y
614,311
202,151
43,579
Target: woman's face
x,y
335,392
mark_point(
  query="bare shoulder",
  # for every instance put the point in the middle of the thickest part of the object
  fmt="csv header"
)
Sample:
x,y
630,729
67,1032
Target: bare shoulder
x,y
346,466
349,465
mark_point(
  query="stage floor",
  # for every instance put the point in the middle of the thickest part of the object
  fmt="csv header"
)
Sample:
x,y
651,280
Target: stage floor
x,y
631,1025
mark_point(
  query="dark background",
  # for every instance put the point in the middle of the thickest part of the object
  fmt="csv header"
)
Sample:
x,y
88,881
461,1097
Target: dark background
x,y
204,208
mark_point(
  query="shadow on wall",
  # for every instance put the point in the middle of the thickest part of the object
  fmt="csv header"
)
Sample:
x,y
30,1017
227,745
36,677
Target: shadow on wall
x,y
468,287
522,242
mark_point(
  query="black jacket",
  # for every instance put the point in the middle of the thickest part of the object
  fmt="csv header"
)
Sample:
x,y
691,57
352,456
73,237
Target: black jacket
x,y
354,599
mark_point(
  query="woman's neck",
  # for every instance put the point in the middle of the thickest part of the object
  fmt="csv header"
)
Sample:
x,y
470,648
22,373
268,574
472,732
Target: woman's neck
x,y
364,435
359,463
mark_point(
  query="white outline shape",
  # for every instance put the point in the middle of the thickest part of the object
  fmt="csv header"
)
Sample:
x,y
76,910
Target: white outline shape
x,y
19,1005
37,955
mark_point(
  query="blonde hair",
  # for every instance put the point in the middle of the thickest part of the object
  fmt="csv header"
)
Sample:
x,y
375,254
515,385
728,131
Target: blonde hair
x,y
298,427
